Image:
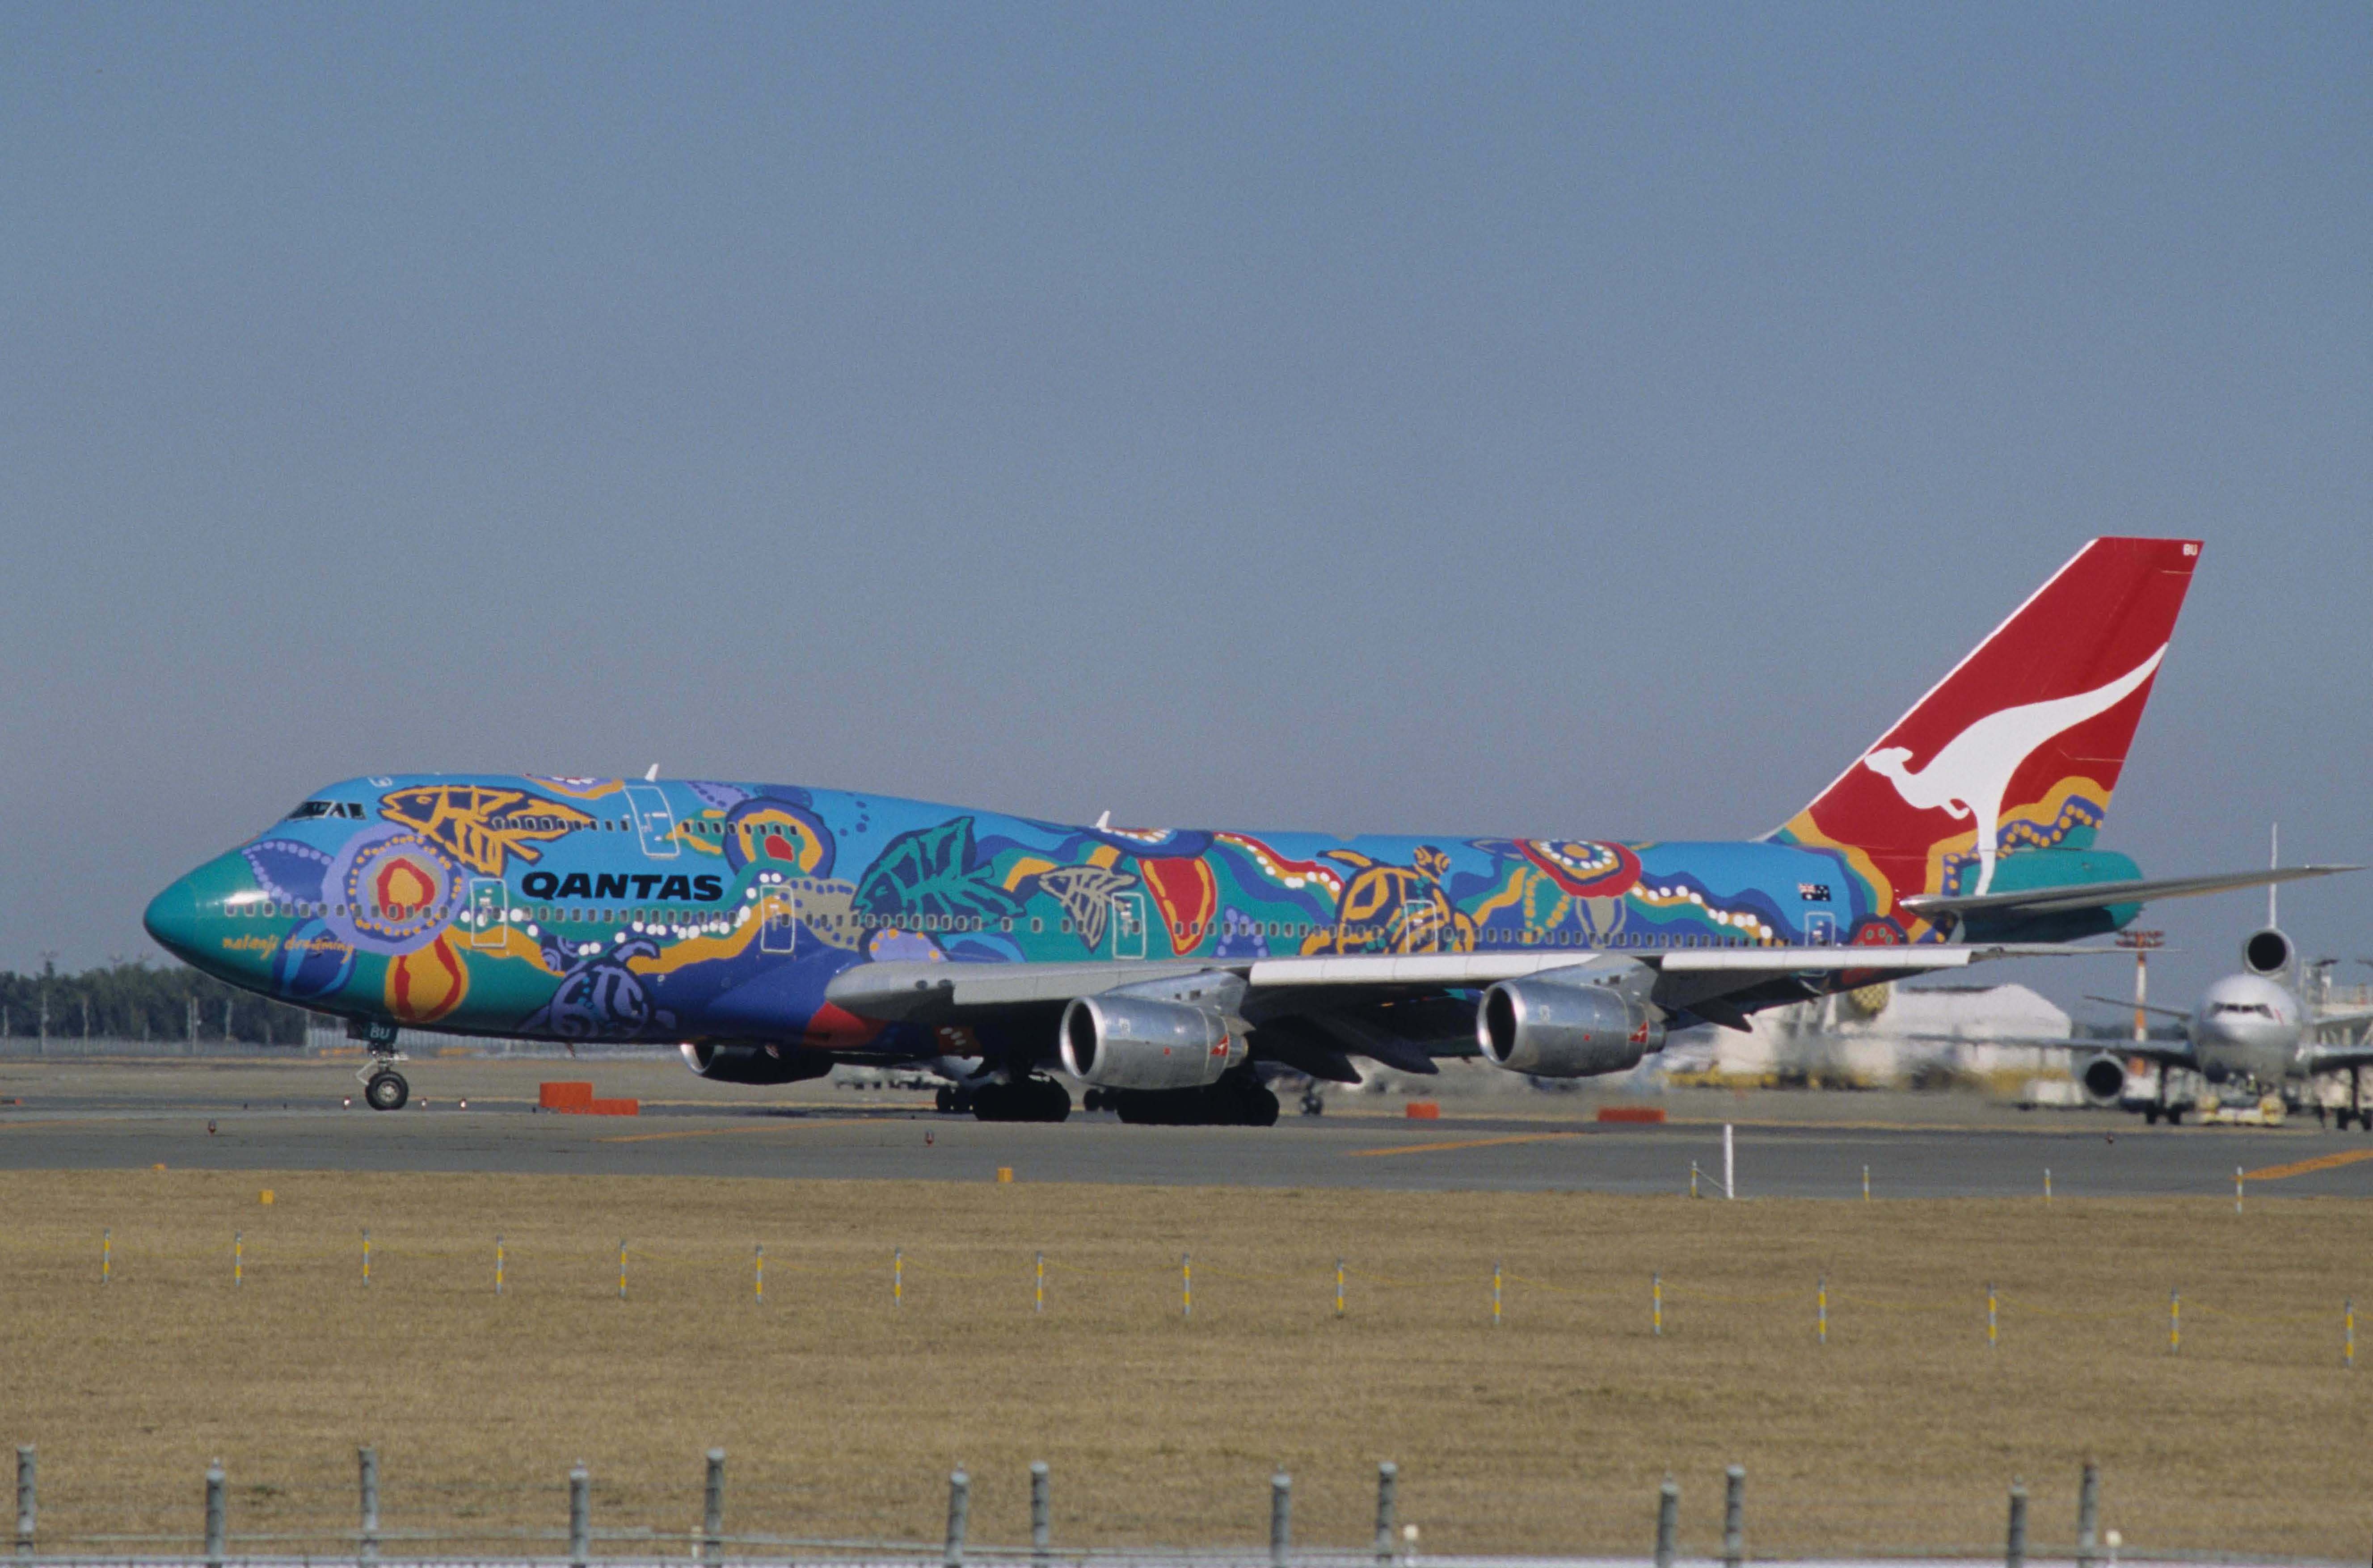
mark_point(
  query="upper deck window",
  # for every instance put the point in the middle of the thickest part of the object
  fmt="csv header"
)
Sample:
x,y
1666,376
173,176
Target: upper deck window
x,y
312,809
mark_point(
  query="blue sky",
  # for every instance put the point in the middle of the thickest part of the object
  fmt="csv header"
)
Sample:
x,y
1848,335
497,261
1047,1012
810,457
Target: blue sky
x,y
1572,420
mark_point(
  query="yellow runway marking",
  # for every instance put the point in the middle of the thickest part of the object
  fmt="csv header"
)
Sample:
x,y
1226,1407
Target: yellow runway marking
x,y
2307,1167
1462,1144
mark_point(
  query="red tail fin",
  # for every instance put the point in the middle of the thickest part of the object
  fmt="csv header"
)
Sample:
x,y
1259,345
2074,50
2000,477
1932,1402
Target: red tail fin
x,y
2020,746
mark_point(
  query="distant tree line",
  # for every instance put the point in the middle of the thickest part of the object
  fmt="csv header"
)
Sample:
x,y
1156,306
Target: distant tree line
x,y
139,1001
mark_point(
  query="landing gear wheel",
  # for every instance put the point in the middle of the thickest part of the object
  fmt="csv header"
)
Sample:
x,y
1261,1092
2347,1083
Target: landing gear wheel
x,y
2174,1116
2150,1115
2343,1117
944,1100
1313,1103
1031,1099
387,1091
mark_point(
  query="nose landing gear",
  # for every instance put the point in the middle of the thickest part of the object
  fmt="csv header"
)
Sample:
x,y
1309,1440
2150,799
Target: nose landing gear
x,y
383,1087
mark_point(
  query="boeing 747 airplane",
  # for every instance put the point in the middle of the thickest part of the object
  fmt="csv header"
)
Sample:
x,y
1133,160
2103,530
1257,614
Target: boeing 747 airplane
x,y
772,930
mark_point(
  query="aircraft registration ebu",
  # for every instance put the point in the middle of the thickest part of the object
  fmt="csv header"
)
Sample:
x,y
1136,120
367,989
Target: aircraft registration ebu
x,y
772,930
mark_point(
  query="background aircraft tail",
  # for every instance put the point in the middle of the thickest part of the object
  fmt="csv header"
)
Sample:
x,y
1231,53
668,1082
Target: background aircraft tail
x,y
2020,746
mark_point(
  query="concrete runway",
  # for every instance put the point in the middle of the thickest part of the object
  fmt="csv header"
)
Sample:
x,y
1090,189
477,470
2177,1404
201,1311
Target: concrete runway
x,y
249,1116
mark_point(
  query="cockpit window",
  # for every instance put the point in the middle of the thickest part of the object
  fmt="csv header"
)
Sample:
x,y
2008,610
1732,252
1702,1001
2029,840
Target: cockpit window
x,y
312,809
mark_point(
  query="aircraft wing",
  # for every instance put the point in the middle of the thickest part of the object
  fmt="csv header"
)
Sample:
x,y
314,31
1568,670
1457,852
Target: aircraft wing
x,y
2103,895
2181,1014
2336,1059
1702,980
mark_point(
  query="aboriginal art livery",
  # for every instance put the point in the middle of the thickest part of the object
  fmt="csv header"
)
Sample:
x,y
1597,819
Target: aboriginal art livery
x,y
772,930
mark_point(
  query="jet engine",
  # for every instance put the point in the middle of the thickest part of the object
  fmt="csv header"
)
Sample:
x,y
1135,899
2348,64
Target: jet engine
x,y
1116,1041
2267,952
1546,1029
740,1061
2104,1078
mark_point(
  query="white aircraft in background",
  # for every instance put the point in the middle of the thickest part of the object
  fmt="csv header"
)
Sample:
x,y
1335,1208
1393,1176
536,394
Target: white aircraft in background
x,y
2256,1030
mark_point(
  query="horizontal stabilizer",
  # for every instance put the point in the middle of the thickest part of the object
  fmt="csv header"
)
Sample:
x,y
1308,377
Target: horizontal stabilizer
x,y
2103,895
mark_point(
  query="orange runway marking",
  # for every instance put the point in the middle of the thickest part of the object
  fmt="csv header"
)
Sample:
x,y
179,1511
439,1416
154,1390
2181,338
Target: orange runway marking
x,y
2307,1167
1462,1144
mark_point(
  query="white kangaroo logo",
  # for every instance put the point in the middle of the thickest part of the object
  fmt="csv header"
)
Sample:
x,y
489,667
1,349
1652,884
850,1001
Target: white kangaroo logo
x,y
1969,774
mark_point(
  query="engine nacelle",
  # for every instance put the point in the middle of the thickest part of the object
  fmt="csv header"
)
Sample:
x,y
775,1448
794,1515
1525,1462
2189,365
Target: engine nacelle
x,y
2267,952
1546,1029
739,1061
2104,1078
1115,1041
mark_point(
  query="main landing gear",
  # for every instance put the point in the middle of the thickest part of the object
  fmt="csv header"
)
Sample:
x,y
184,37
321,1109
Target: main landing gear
x,y
383,1087
1025,1099
1238,1099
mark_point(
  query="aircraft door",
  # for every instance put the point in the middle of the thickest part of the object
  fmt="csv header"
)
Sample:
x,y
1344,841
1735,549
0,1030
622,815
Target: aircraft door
x,y
654,820
490,912
1821,930
1420,932
778,911
1128,925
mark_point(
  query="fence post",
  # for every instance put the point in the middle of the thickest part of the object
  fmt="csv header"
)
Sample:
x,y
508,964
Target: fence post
x,y
712,1510
26,1509
1734,1517
1042,1515
1669,1521
1280,1518
1388,1476
215,1515
2015,1546
580,1514
2088,1517
367,1466
959,1513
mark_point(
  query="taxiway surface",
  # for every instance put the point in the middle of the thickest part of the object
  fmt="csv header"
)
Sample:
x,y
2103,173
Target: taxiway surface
x,y
251,1115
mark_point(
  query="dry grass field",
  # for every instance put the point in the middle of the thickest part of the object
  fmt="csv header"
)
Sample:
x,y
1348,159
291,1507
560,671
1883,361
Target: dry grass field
x,y
842,1412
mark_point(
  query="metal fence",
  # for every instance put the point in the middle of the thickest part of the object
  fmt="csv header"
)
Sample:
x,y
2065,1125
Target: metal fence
x,y
581,1541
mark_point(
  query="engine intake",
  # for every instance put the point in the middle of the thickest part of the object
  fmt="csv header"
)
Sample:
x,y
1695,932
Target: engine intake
x,y
2104,1078
2267,952
1546,1029
1115,1041
739,1061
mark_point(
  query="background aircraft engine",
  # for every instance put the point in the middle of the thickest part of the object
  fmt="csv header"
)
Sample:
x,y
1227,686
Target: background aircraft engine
x,y
2267,952
1128,1042
741,1062
2104,1078
1548,1030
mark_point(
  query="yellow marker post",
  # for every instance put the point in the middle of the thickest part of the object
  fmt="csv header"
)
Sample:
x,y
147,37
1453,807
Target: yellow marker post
x,y
758,1275
1656,1305
2047,1183
1495,1295
106,1255
1338,1287
1821,1310
1042,1282
622,1267
897,1276
237,1258
498,1265
2174,1322
1005,1174
367,1260
1693,1178
1186,1284
1992,1302
2348,1334
2236,1189
265,1197
1865,1184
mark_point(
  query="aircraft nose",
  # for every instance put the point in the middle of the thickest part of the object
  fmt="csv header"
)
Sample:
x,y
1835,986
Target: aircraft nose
x,y
176,918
